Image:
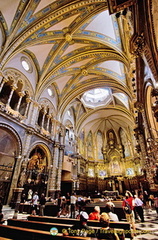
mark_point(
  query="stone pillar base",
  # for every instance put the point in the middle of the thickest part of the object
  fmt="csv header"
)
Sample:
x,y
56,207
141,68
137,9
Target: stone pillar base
x,y
17,199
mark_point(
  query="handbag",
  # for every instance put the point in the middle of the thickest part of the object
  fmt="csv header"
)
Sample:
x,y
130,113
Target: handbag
x,y
127,208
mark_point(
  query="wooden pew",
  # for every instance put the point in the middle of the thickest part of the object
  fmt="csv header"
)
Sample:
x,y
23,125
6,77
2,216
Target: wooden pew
x,y
45,226
18,233
116,225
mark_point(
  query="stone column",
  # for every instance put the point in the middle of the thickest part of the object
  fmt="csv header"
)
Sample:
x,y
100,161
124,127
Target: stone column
x,y
11,94
21,94
17,198
53,171
27,142
49,117
2,83
44,114
52,133
61,155
28,100
15,176
34,112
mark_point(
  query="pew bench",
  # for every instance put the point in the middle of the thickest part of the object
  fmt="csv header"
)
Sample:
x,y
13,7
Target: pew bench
x,y
18,233
116,225
46,226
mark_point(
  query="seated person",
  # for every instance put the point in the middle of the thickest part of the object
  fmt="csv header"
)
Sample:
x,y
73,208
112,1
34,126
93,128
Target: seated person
x,y
80,228
112,216
1,218
95,215
105,232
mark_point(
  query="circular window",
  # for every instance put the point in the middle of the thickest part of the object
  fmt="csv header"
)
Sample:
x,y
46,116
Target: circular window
x,y
26,64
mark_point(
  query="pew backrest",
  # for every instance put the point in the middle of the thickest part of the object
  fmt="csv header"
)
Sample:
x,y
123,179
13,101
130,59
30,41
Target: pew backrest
x,y
18,233
116,225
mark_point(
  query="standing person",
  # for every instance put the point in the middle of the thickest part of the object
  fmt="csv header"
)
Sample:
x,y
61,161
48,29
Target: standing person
x,y
95,215
59,204
128,202
68,203
34,203
139,206
29,196
42,202
73,200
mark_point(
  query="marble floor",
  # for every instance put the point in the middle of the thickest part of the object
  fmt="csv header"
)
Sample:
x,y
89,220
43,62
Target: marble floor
x,y
145,231
148,230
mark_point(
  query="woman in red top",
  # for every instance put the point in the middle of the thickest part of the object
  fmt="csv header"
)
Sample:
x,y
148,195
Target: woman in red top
x,y
96,214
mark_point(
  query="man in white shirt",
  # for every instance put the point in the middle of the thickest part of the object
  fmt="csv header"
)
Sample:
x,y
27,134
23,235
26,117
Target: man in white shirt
x,y
139,206
34,203
73,200
112,216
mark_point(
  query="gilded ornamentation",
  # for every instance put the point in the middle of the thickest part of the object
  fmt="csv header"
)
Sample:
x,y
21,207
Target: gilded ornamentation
x,y
139,106
68,37
84,72
138,45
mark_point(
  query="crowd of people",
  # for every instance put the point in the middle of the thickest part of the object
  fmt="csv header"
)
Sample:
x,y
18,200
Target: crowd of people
x,y
74,206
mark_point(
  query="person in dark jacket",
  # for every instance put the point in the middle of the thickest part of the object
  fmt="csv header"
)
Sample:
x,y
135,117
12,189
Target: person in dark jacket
x,y
42,202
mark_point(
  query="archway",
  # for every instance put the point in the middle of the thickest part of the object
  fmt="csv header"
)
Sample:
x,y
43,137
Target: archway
x,y
10,147
34,173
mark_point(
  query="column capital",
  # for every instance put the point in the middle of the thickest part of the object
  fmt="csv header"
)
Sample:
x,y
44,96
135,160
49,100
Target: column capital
x,y
28,100
5,79
14,87
21,94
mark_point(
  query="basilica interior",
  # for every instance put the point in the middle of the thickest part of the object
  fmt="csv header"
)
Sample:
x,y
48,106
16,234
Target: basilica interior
x,y
78,96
